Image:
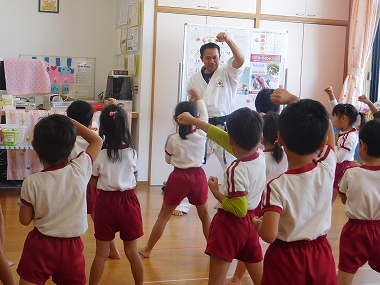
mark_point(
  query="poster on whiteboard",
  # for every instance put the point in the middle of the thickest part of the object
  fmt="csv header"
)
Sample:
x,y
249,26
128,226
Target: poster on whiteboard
x,y
264,52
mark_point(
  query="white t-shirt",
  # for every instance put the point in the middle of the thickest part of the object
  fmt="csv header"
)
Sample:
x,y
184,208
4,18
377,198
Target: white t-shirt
x,y
58,197
274,169
118,175
80,145
245,177
190,152
219,94
302,197
361,187
346,145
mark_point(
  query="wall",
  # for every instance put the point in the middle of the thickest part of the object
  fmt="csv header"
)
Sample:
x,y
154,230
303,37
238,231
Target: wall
x,y
82,28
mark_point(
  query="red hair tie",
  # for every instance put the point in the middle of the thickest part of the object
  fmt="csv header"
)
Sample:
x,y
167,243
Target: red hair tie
x,y
112,114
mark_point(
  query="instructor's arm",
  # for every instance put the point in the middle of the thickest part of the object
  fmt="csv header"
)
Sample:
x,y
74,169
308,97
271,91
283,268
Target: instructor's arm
x,y
238,55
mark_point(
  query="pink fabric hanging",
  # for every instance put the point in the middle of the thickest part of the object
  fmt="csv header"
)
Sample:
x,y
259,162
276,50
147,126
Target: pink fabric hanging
x,y
22,163
26,76
364,21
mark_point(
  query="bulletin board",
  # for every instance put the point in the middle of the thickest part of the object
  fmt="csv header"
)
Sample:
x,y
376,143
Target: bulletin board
x,y
71,76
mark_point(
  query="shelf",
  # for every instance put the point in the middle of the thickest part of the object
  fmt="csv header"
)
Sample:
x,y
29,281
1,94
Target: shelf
x,y
18,146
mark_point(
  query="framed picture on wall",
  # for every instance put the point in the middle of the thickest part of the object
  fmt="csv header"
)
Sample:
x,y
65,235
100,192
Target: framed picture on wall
x,y
49,6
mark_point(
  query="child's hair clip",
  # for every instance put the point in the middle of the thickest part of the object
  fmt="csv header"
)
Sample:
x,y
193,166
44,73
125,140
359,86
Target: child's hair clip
x,y
112,114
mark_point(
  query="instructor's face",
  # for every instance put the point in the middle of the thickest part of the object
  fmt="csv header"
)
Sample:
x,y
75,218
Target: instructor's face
x,y
210,59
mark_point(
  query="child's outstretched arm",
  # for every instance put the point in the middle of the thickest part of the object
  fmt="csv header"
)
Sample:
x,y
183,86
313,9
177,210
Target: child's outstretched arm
x,y
215,134
187,119
332,99
330,92
282,96
95,142
197,99
330,135
372,107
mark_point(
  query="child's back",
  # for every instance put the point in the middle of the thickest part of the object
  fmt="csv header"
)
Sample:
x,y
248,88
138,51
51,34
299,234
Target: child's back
x,y
297,205
187,151
56,200
244,181
117,207
184,150
359,190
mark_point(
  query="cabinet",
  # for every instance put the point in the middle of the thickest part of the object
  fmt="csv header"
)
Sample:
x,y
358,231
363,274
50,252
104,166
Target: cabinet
x,y
242,6
315,58
322,9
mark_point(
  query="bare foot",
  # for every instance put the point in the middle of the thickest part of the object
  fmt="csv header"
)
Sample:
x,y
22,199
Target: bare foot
x,y
233,281
178,213
114,254
10,263
144,253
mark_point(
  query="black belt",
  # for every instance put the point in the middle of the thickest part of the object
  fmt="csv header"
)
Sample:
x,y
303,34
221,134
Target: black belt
x,y
218,120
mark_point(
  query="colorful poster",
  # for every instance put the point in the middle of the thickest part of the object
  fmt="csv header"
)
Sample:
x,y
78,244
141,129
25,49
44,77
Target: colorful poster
x,y
265,70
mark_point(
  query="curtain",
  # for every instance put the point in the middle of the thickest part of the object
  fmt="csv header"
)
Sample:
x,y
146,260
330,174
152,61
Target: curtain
x,y
364,21
375,68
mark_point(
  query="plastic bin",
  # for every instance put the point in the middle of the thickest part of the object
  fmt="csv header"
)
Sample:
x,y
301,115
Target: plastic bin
x,y
21,131
9,137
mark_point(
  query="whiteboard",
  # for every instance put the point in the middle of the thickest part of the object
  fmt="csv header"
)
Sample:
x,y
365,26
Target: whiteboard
x,y
72,76
264,52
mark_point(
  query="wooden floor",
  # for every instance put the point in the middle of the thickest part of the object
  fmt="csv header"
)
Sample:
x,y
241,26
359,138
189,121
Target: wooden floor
x,y
178,257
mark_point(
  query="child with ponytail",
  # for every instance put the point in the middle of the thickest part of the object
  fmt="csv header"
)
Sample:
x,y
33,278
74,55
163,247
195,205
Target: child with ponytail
x,y
347,120
117,208
185,151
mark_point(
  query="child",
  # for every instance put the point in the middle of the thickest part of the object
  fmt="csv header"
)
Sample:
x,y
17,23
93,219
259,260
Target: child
x,y
375,112
263,104
276,164
297,205
244,182
185,151
117,207
82,112
359,190
55,199
344,118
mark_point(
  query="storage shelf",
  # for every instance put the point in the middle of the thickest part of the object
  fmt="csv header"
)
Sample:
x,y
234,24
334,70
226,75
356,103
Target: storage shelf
x,y
18,146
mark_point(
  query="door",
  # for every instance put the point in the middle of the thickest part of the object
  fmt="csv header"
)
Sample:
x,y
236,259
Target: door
x,y
169,52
